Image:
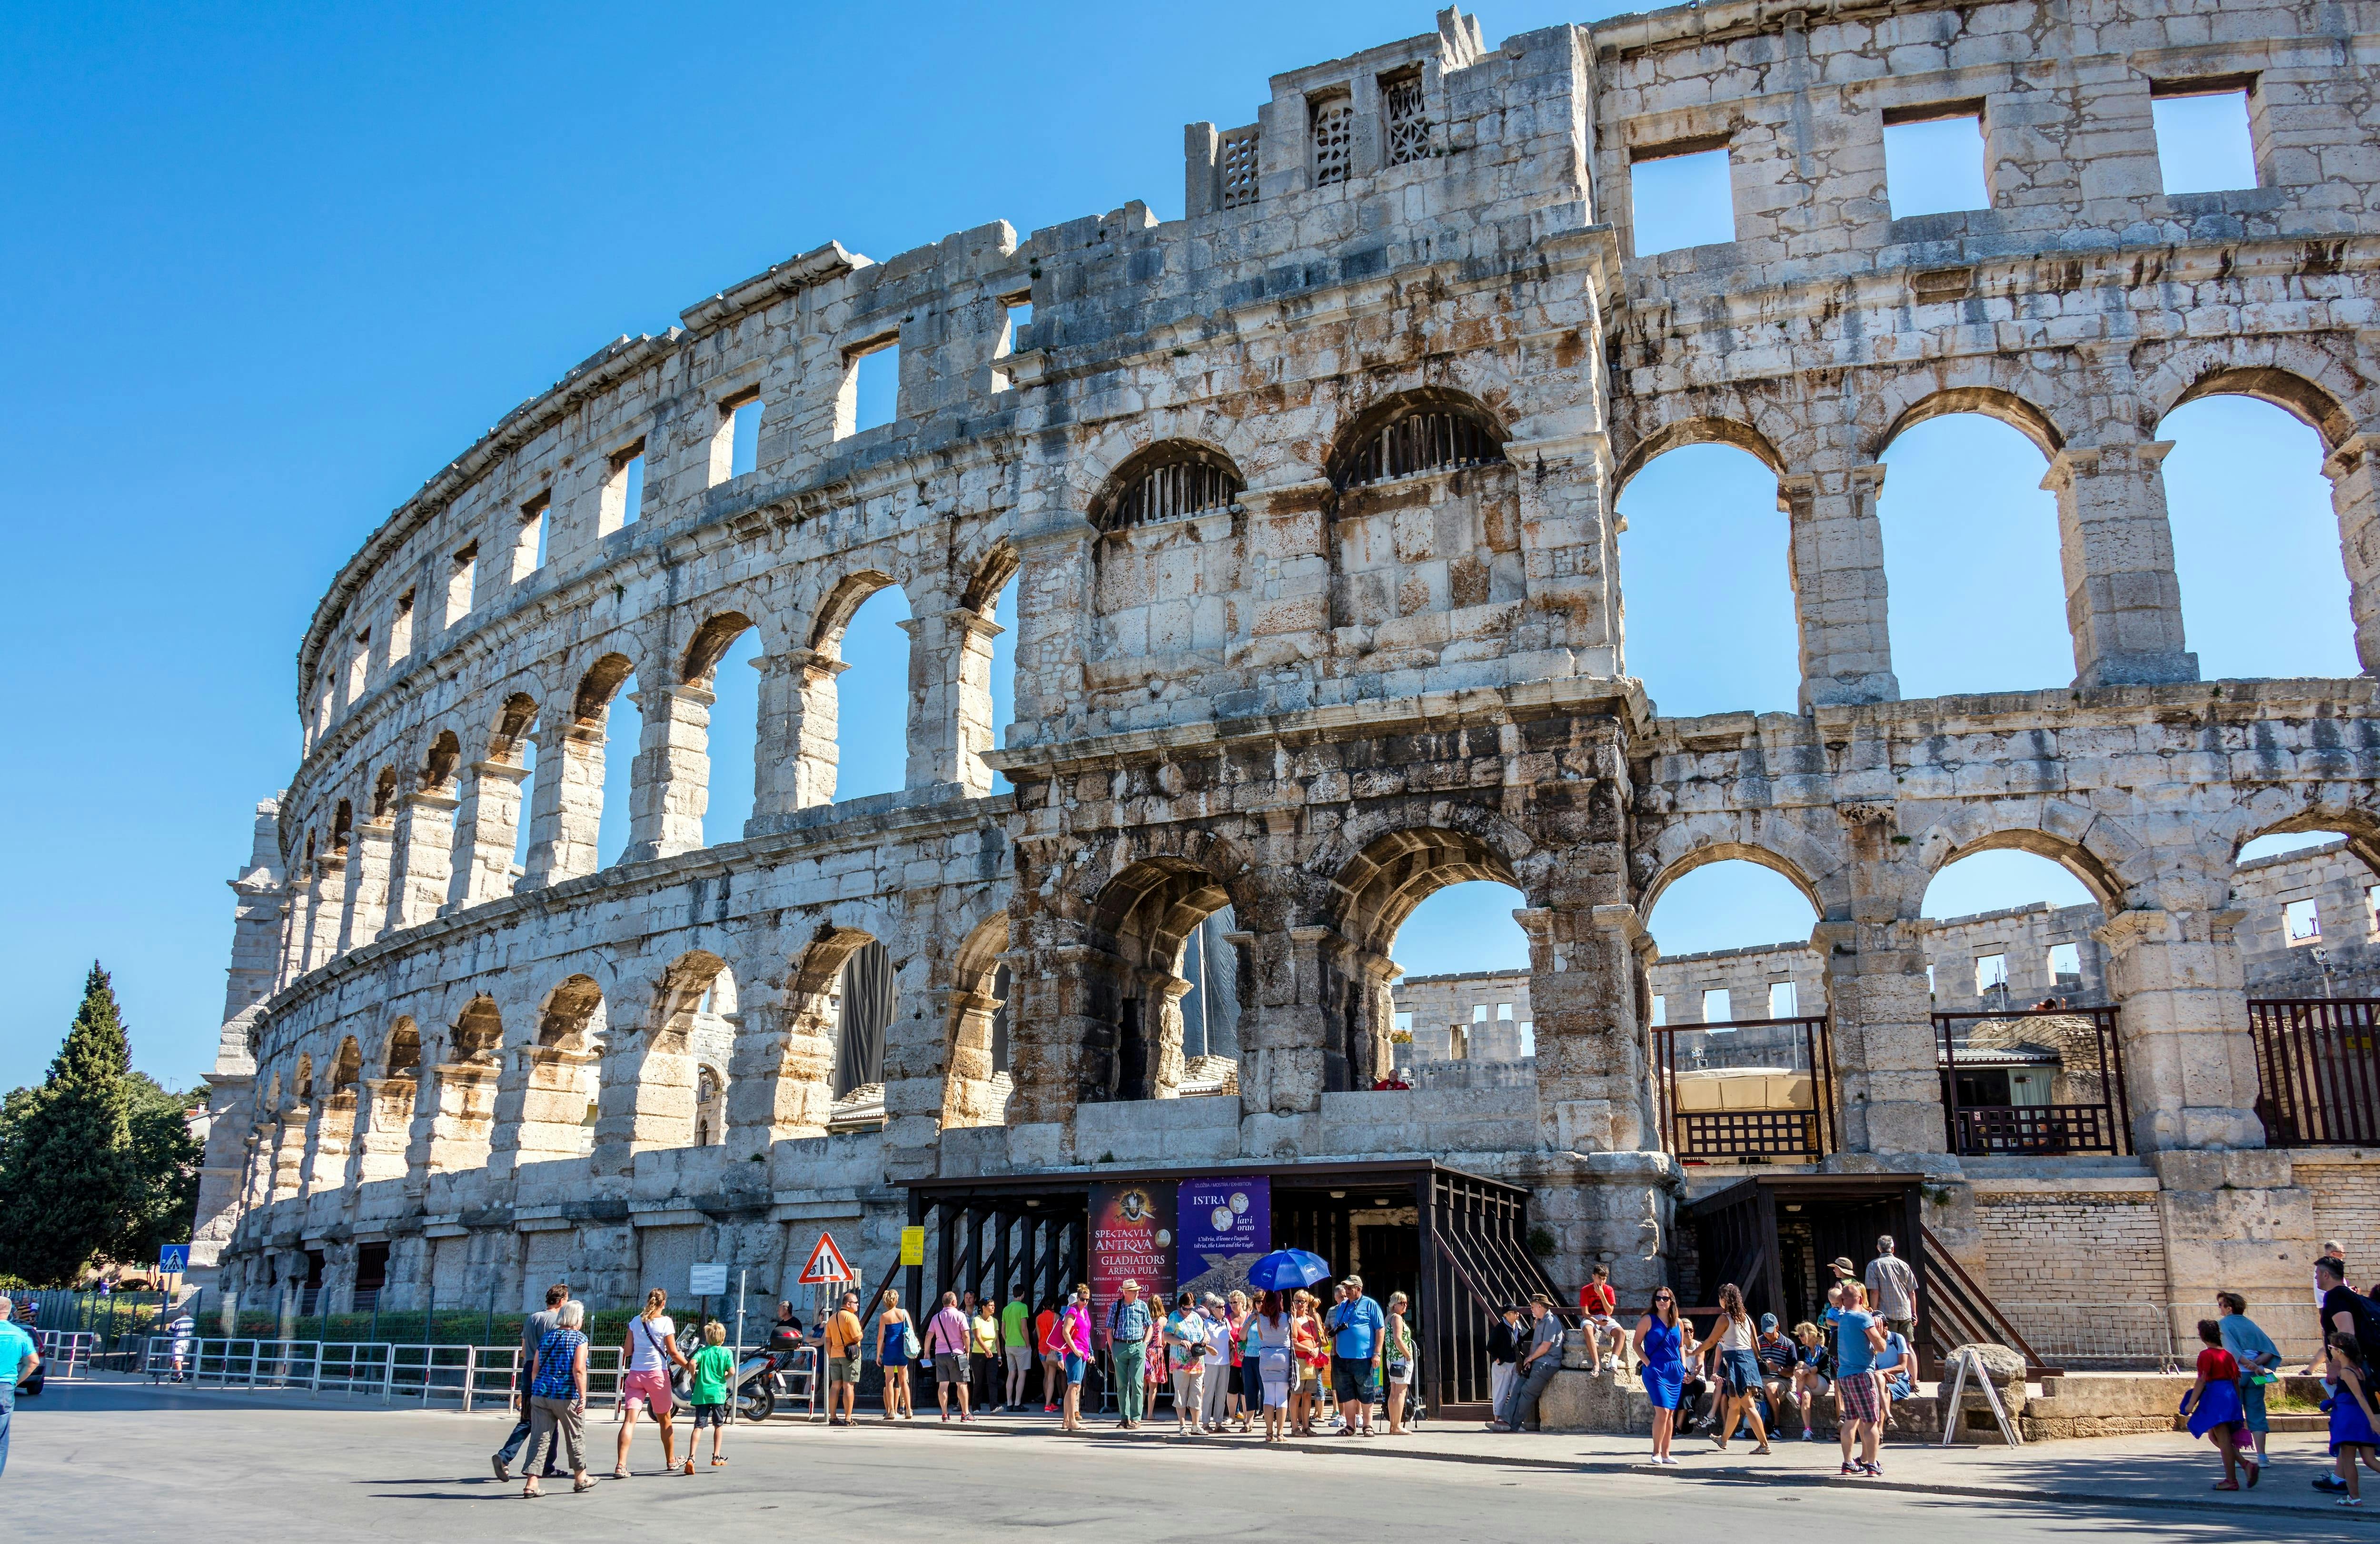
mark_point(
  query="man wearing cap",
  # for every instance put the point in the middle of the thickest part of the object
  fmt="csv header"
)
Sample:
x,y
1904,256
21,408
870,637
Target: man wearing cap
x,y
1128,1326
1537,1365
1357,1328
1892,1290
1778,1355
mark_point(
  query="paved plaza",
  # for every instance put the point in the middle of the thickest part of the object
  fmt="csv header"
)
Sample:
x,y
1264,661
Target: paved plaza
x,y
208,1463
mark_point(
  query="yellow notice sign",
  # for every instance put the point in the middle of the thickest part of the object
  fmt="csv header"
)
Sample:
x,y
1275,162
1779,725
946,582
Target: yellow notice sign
x,y
912,1246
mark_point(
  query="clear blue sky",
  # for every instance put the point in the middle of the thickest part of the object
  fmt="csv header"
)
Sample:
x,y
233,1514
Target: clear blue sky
x,y
269,267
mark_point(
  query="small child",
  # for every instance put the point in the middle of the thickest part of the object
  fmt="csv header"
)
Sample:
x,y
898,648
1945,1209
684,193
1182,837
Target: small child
x,y
2352,1420
1597,1304
2213,1406
714,1374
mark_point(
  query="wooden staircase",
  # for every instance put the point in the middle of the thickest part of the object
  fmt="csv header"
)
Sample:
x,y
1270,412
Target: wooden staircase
x,y
1954,1311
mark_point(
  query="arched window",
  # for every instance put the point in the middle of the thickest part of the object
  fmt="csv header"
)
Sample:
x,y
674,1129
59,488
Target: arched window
x,y
1167,482
1416,437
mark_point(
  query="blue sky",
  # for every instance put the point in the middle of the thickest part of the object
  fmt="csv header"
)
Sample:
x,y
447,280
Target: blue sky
x,y
270,266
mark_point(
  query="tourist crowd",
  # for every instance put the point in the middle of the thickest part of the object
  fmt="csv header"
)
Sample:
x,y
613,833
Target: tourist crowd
x,y
1297,1363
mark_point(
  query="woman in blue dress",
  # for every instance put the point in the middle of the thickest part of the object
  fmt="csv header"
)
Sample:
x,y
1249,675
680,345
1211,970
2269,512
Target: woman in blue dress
x,y
1664,1341
2353,1440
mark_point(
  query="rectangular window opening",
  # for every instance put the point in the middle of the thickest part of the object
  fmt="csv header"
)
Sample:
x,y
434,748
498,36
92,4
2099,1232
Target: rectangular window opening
x,y
1404,120
2066,965
1715,1006
744,432
1458,1042
1934,160
1479,1013
459,584
1991,972
1784,1000
1333,121
2302,921
1680,195
2205,141
400,629
2371,907
1405,1024
528,543
359,666
1019,310
1528,1037
1503,1013
871,387
624,491
1660,1010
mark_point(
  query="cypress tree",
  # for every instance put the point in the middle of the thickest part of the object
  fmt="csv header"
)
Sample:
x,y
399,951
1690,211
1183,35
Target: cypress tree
x,y
68,1179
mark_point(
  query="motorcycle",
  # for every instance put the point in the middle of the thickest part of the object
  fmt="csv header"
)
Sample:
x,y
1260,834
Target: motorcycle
x,y
762,1378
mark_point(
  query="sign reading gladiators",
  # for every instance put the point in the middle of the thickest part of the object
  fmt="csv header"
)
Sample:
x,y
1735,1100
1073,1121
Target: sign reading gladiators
x,y
1132,1240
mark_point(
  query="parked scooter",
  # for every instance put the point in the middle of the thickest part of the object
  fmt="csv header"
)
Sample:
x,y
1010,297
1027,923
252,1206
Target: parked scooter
x,y
765,1377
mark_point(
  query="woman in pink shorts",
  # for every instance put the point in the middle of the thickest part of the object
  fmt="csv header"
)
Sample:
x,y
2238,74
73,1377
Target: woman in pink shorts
x,y
652,1348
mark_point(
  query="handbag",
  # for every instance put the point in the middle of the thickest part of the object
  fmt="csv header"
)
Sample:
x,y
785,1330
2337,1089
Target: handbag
x,y
909,1347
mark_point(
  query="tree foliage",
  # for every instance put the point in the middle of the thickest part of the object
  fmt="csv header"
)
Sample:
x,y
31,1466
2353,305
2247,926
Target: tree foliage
x,y
95,1162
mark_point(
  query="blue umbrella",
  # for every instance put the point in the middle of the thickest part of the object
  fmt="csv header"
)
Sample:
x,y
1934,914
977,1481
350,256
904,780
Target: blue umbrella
x,y
1286,1269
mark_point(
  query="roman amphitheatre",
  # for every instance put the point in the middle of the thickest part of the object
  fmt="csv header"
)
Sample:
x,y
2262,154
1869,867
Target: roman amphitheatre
x,y
1307,500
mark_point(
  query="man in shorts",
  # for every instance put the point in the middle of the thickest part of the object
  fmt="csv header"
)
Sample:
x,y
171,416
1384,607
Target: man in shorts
x,y
1599,1306
1017,1347
842,1340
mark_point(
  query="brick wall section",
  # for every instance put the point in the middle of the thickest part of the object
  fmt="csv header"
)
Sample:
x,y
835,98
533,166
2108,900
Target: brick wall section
x,y
2081,1276
2347,1206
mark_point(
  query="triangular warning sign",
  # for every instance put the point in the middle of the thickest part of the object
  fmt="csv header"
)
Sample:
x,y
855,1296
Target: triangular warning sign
x,y
826,1263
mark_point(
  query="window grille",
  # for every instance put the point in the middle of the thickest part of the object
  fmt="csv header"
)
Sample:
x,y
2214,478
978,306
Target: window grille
x,y
1239,168
1334,137
1177,488
1422,441
1408,125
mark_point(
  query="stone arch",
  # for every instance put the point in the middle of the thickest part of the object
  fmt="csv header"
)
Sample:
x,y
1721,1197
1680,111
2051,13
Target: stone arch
x,y
515,718
347,1066
401,1054
462,1120
1136,927
645,1100
975,1080
840,603
1372,895
2355,817
708,645
2303,381
384,794
1415,431
343,825
1376,889
445,756
2017,409
2096,852
1807,865
1169,478
597,686
1697,430
988,576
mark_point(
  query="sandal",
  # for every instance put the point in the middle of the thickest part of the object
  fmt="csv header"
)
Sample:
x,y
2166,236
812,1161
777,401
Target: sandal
x,y
2226,1485
582,1482
529,1492
620,1473
719,1462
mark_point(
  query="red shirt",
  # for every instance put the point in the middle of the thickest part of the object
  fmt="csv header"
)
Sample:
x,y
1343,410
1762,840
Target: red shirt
x,y
2218,1366
1596,1298
1043,1322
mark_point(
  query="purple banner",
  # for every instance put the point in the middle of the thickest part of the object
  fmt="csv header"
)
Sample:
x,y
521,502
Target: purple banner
x,y
1226,1225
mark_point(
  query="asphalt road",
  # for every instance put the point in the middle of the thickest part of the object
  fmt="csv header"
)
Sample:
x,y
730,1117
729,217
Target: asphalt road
x,y
94,1460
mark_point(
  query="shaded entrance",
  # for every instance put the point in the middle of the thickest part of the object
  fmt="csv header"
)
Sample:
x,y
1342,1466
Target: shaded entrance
x,y
1455,1244
1773,1235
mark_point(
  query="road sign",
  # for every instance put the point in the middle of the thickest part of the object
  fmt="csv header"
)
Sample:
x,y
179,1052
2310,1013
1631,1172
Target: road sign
x,y
709,1279
912,1246
826,1264
173,1259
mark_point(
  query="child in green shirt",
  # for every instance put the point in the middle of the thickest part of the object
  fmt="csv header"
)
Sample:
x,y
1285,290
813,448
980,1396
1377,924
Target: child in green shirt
x,y
714,1372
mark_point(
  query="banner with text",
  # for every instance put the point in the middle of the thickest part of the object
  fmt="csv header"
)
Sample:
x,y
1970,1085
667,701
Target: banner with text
x,y
1132,1239
1225,1226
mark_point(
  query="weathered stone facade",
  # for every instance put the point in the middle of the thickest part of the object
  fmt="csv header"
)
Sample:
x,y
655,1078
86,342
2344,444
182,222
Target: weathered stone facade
x,y
1309,497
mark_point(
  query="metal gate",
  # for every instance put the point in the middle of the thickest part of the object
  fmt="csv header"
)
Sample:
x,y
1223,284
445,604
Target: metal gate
x,y
2317,1070
1761,1087
2077,1048
1476,1259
